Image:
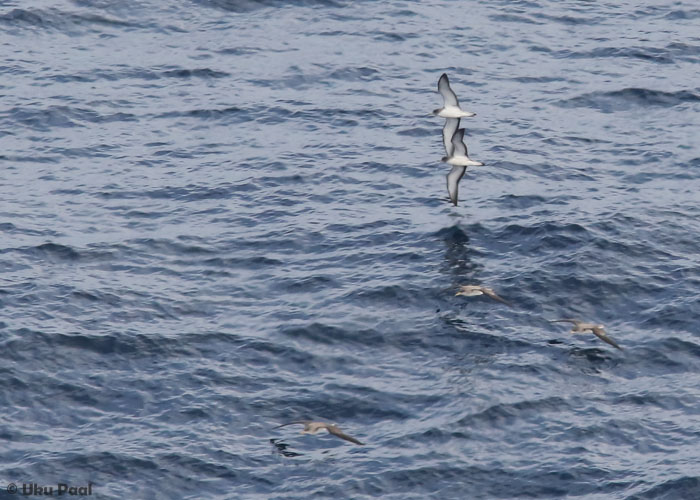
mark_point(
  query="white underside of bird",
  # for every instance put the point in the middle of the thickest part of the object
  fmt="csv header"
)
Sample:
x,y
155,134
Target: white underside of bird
x,y
463,161
454,112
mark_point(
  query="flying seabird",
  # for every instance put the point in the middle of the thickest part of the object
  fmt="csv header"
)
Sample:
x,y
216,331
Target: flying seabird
x,y
581,327
313,427
459,159
450,108
474,290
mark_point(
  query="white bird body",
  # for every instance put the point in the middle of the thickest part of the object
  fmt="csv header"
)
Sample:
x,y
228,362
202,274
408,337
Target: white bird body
x,y
463,161
470,291
453,112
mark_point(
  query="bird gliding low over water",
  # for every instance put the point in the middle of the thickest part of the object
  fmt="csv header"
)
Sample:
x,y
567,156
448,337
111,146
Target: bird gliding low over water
x,y
475,290
460,161
311,427
450,108
582,327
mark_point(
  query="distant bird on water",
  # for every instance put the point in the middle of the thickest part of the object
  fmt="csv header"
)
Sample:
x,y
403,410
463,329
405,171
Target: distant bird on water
x,y
314,427
450,108
474,290
581,327
459,159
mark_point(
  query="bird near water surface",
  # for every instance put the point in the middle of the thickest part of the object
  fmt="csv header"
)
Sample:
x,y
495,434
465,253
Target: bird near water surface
x,y
475,290
582,327
460,161
450,108
453,138
311,427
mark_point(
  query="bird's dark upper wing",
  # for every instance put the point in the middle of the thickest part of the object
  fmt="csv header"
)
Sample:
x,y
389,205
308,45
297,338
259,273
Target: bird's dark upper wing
x,y
493,295
446,92
458,146
448,131
598,332
337,432
453,179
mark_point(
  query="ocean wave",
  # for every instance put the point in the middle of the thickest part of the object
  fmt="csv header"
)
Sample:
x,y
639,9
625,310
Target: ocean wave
x,y
631,98
58,20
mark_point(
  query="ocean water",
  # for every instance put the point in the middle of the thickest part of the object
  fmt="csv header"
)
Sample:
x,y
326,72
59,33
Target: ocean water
x,y
218,216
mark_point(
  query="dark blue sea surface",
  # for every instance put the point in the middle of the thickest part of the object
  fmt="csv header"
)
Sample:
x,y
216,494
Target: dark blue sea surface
x,y
218,216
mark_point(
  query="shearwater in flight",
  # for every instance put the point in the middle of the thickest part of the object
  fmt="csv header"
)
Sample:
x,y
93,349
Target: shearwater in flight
x,y
313,427
450,108
581,327
474,290
459,159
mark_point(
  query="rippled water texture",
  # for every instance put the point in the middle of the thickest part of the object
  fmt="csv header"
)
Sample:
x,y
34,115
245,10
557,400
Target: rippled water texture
x,y
218,216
